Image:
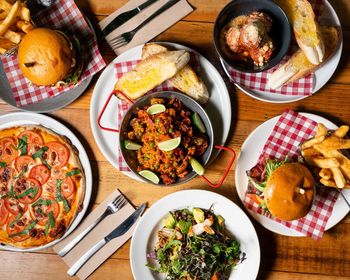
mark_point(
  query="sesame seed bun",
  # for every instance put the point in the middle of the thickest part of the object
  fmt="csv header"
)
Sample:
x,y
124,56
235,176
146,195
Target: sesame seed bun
x,y
45,56
289,191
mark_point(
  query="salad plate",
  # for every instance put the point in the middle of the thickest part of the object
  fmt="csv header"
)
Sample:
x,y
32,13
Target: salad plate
x,y
322,74
237,225
25,118
218,107
250,151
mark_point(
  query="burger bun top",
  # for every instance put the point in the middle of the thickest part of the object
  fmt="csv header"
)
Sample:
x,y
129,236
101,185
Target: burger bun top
x,y
289,191
44,56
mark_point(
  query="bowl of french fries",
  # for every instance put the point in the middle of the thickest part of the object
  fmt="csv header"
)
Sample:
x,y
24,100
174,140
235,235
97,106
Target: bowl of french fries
x,y
15,22
326,153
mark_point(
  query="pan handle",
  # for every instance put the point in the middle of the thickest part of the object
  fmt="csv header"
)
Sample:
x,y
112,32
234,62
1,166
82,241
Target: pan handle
x,y
101,126
233,156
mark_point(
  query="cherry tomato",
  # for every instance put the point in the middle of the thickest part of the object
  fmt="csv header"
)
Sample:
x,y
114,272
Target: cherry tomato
x,y
23,184
8,151
40,173
41,212
15,207
23,162
34,141
4,213
20,225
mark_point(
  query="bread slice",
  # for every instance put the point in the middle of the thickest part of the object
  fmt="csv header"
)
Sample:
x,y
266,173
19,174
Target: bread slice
x,y
299,66
186,80
150,73
306,28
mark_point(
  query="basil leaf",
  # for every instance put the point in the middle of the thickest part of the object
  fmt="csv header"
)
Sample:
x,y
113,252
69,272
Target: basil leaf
x,y
26,231
40,153
41,201
73,172
51,220
28,192
15,220
3,164
59,196
22,145
20,173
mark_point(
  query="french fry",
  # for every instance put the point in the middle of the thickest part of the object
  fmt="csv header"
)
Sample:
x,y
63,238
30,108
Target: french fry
x,y
341,131
328,183
325,173
336,143
321,130
25,26
14,37
338,177
310,152
24,13
10,18
3,15
4,5
325,162
6,44
312,142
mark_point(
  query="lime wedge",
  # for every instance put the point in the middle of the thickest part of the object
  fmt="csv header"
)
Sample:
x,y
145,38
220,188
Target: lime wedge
x,y
169,145
149,175
155,109
197,167
197,121
129,145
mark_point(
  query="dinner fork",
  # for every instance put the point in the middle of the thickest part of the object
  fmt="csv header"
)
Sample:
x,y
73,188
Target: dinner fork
x,y
112,207
126,37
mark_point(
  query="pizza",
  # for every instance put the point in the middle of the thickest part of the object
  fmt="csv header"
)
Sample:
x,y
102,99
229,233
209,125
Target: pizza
x,y
42,186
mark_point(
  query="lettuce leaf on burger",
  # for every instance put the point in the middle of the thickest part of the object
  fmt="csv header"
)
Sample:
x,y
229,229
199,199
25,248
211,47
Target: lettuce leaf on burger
x,y
284,189
50,57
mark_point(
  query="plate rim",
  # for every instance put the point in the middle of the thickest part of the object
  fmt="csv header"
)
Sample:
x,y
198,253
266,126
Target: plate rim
x,y
125,56
192,194
336,56
26,119
265,222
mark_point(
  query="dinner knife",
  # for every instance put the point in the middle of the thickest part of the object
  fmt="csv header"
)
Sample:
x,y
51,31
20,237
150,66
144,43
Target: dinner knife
x,y
124,17
118,231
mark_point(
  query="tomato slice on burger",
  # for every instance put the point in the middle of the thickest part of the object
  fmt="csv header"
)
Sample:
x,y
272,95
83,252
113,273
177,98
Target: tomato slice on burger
x,y
8,151
40,173
67,186
23,163
57,154
15,207
18,228
40,210
4,213
27,190
34,141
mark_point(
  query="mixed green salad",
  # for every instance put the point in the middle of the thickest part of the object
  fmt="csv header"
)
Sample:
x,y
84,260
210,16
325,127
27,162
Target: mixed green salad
x,y
194,245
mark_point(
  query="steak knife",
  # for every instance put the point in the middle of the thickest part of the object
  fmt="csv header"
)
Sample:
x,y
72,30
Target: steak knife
x,y
118,231
124,17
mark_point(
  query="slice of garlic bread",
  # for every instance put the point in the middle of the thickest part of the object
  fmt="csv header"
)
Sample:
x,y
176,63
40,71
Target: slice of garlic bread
x,y
186,80
299,66
150,73
306,28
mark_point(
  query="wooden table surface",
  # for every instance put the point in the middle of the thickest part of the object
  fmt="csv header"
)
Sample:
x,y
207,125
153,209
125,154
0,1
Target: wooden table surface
x,y
281,257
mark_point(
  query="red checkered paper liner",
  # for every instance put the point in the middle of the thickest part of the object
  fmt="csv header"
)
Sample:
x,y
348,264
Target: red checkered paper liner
x,y
66,16
258,81
290,130
126,66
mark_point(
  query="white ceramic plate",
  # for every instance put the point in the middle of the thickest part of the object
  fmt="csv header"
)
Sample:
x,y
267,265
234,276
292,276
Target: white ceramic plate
x,y
23,118
322,75
218,107
250,151
236,222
